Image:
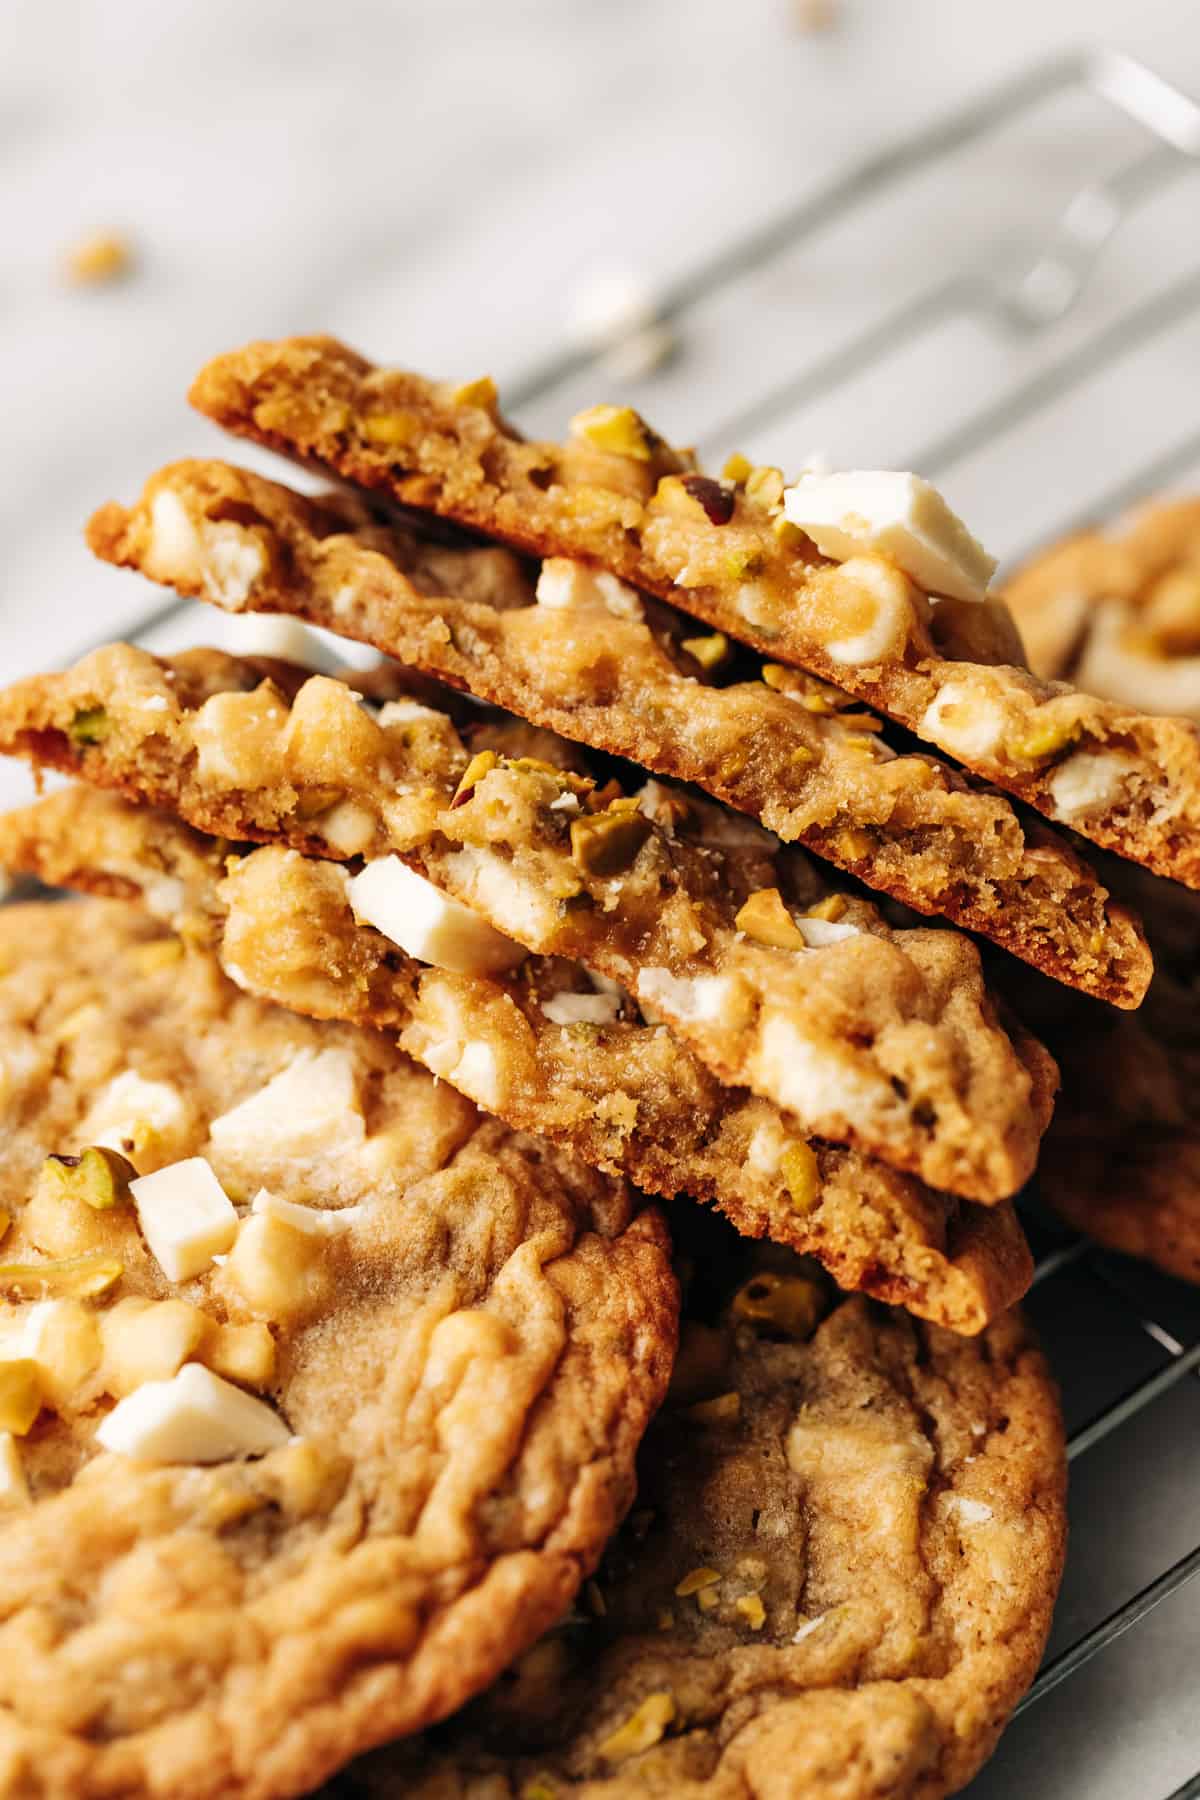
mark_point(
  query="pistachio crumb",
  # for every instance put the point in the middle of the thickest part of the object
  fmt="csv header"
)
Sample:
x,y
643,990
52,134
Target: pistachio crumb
x,y
802,1175
608,843
641,1730
69,1277
711,652
752,1610
723,1408
696,1579
481,392
737,469
619,430
789,1304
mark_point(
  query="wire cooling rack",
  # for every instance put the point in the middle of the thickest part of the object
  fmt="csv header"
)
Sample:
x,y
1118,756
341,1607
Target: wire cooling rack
x,y
1040,377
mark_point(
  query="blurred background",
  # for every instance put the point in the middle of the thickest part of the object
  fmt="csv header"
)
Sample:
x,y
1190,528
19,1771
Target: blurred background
x,y
917,233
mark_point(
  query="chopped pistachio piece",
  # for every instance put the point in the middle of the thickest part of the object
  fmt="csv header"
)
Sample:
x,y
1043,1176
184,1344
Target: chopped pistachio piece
x,y
390,428
98,1176
802,1174
1044,737
481,392
607,843
790,1304
641,1730
617,429
752,1610
767,920
20,1395
720,1411
711,652
737,468
765,487
91,725
68,1277
473,774
694,1580
831,907
151,959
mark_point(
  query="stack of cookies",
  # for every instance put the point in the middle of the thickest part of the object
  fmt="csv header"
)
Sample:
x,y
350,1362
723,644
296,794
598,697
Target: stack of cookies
x,y
359,1117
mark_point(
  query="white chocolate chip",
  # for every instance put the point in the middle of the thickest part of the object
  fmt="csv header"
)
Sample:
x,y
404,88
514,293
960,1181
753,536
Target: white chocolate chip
x,y
818,933
896,515
196,1417
581,1009
815,1081
1089,779
185,1215
691,997
968,1511
967,724
271,634
890,594
567,585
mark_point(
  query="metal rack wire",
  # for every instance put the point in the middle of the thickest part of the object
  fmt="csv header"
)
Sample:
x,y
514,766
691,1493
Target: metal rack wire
x,y
1145,1340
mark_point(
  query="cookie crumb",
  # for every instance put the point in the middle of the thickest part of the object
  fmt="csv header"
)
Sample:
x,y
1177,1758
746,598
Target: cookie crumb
x,y
98,258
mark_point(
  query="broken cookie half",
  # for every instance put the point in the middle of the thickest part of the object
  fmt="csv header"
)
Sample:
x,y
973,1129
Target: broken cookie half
x,y
544,1047
313,1412
741,554
880,1036
577,651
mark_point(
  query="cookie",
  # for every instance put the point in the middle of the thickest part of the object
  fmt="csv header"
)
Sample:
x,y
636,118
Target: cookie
x,y
596,662
836,1583
618,498
1117,610
878,1036
545,1051
284,1481
1121,1161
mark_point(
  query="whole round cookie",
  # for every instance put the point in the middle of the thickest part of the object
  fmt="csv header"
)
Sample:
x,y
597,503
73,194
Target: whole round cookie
x,y
320,1393
836,1583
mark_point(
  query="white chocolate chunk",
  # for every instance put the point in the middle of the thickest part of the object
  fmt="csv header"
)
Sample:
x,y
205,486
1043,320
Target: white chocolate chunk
x,y
318,1221
311,1108
428,924
129,1108
564,584
1088,779
408,712
693,997
814,1081
63,1338
186,1217
968,1511
898,516
196,1417
967,724
14,1489
271,634
817,933
581,1009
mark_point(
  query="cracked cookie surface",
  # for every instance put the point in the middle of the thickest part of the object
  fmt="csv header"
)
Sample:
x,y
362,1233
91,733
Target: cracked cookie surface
x,y
621,1094
459,1364
836,1582
625,675
882,1037
722,551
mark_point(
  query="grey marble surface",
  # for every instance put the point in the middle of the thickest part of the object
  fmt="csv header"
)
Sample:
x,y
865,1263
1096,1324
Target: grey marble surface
x,y
438,183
